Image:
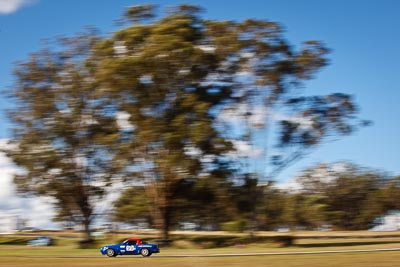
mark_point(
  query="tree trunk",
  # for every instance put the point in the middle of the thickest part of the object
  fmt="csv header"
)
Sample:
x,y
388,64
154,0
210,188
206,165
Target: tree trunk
x,y
165,223
87,242
87,232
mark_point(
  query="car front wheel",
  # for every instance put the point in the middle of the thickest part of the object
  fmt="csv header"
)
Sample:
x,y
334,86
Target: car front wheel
x,y
145,252
110,252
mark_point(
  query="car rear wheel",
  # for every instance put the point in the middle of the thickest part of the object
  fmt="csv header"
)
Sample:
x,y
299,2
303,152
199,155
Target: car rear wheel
x,y
145,252
110,253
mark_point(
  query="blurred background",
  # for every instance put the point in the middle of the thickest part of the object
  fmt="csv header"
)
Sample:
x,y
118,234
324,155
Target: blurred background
x,y
252,116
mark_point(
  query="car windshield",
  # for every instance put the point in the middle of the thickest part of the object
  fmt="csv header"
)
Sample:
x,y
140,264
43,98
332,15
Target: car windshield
x,y
134,241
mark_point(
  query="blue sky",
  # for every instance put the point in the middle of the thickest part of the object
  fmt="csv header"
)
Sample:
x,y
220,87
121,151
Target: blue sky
x,y
364,37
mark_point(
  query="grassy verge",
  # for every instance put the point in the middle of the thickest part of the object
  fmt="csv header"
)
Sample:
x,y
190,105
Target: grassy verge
x,y
381,259
212,240
14,252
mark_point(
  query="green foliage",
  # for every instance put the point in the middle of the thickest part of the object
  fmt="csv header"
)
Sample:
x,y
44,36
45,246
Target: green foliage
x,y
172,78
220,241
132,205
351,199
63,135
138,13
203,195
235,226
348,200
272,208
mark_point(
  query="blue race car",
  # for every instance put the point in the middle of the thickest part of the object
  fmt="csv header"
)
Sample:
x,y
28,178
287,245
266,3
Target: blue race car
x,y
131,246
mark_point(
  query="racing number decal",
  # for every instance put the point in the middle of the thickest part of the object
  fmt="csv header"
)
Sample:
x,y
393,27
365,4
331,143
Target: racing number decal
x,y
130,248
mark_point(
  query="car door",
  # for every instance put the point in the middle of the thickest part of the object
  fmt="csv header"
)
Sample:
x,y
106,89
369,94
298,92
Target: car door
x,y
131,248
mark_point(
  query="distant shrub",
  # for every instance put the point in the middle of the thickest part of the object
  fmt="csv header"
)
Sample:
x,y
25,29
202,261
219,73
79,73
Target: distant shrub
x,y
234,226
213,241
183,244
88,244
283,241
15,240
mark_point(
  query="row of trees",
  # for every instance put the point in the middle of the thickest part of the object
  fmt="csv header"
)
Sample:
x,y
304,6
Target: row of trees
x,y
167,102
338,196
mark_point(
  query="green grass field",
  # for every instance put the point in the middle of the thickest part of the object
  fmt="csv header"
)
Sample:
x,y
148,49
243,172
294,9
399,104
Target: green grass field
x,y
65,253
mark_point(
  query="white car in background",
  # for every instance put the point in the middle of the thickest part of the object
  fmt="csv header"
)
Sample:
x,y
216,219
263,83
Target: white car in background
x,y
41,241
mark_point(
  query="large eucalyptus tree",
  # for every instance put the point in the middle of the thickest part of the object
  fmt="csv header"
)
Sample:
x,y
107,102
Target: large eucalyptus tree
x,y
182,78
63,133
161,101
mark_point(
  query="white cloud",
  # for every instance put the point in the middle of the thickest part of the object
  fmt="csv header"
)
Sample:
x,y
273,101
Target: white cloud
x,y
389,222
290,185
123,121
10,6
325,173
304,122
206,48
146,79
37,211
245,149
255,116
193,151
120,48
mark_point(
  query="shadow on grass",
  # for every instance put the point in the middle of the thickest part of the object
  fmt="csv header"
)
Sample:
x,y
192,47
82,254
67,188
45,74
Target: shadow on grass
x,y
15,240
345,244
227,241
